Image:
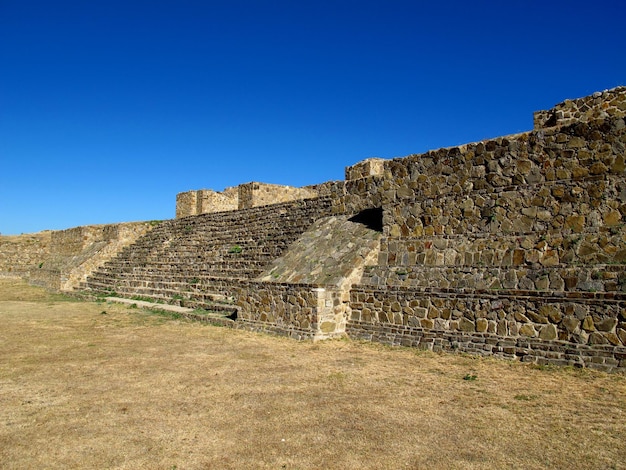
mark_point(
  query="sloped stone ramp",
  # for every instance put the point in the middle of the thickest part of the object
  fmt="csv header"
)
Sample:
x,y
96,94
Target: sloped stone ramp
x,y
224,318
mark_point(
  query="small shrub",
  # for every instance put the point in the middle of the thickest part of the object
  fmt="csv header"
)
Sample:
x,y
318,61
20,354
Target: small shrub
x,y
235,249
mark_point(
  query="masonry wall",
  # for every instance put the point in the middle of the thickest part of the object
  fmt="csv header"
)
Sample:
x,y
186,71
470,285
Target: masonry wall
x,y
75,253
186,204
513,246
21,253
600,105
244,196
547,328
547,199
261,194
211,201
205,201
302,311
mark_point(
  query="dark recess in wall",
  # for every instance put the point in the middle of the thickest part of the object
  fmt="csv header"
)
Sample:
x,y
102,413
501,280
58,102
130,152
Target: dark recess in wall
x,y
371,218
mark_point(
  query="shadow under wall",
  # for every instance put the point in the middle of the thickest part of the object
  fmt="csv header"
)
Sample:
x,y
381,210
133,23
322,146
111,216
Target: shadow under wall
x,y
371,218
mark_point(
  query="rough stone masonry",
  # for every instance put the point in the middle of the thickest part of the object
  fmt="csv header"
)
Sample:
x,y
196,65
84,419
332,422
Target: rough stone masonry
x,y
513,247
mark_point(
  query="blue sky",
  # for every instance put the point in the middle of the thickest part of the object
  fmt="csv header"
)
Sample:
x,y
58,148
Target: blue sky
x,y
108,109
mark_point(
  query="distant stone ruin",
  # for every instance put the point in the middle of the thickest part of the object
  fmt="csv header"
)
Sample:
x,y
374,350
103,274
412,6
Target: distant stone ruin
x,y
513,247
245,196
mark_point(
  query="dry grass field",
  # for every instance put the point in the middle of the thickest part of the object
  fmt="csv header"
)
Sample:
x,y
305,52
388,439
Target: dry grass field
x,y
94,385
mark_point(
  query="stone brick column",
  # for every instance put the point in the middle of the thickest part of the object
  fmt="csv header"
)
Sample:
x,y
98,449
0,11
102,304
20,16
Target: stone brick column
x,y
331,314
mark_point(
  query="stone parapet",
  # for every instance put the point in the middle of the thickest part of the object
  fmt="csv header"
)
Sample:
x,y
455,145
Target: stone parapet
x,y
365,168
262,194
204,201
600,105
213,201
244,196
186,204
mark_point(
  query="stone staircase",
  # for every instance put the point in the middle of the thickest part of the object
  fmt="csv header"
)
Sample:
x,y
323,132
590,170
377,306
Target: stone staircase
x,y
192,261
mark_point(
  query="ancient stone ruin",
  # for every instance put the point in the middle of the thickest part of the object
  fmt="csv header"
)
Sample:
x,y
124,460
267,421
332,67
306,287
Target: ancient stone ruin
x,y
513,247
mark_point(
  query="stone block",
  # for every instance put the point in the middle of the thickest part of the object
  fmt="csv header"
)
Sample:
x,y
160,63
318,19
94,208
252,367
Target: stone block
x,y
588,324
466,325
538,317
482,325
612,218
596,338
570,323
621,333
613,339
551,312
607,324
548,332
528,330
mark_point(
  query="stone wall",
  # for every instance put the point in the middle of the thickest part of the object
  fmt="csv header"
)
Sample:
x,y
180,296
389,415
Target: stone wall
x,y
511,203
514,246
21,253
261,194
581,329
300,311
600,105
365,168
186,204
204,201
244,196
297,310
212,201
75,253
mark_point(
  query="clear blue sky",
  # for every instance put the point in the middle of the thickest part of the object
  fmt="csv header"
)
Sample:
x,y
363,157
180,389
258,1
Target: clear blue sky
x,y
110,108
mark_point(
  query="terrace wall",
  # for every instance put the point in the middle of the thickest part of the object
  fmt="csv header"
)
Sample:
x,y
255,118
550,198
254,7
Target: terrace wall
x,y
516,241
20,253
513,246
62,259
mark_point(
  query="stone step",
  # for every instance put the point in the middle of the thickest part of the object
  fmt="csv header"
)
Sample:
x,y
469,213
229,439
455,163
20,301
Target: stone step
x,y
225,317
185,257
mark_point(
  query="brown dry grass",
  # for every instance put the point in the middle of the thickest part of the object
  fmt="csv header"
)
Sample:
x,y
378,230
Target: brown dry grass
x,y
132,389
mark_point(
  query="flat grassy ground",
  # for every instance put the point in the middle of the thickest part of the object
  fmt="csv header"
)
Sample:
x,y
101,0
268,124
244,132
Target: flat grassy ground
x,y
94,385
